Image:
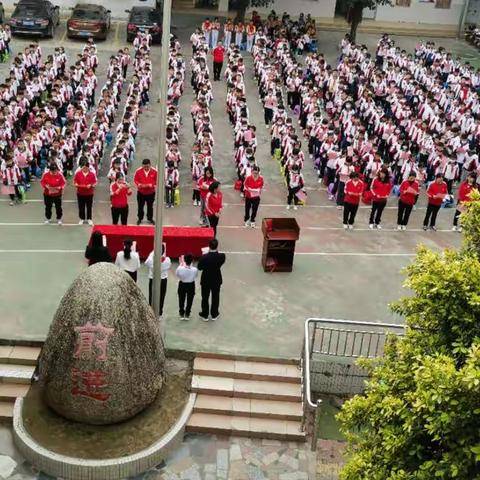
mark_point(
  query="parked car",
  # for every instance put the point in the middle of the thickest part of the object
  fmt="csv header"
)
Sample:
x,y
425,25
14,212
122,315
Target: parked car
x,y
89,20
144,19
32,17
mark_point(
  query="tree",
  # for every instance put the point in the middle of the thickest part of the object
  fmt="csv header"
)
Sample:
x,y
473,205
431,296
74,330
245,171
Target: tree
x,y
355,12
419,418
242,5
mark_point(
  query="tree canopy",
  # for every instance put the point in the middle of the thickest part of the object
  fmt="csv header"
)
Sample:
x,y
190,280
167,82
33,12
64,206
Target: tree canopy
x,y
355,12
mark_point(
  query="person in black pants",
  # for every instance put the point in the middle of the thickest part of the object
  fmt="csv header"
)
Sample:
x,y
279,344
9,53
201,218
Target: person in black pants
x,y
165,265
187,274
436,192
210,265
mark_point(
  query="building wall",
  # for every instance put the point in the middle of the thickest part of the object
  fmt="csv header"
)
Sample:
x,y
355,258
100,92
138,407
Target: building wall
x,y
117,7
422,12
316,8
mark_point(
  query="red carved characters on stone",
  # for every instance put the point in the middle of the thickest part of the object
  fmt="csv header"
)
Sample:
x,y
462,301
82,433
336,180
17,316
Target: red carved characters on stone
x,y
92,340
89,384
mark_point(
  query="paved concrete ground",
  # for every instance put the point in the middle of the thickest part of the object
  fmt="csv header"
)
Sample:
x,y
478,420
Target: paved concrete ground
x,y
337,274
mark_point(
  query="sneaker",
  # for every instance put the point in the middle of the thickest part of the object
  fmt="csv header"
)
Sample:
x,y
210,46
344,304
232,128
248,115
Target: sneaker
x,y
454,228
59,222
320,180
80,222
46,222
186,317
289,207
204,319
371,226
139,222
404,227
339,207
433,228
242,195
214,319
345,226
11,204
201,222
379,227
194,203
460,229
399,227
151,222
350,227
425,228
90,222
252,224
295,207
247,224
331,197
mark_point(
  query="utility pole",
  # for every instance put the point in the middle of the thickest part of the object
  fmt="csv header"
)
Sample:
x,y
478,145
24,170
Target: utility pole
x,y
157,259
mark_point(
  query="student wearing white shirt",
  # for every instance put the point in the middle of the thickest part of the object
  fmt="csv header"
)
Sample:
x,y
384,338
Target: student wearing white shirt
x,y
164,268
186,273
128,260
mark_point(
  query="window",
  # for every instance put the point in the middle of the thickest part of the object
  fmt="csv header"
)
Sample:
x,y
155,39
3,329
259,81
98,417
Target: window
x,y
403,3
443,3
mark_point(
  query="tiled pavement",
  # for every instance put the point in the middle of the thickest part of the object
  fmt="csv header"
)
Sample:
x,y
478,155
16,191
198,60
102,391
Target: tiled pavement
x,y
206,457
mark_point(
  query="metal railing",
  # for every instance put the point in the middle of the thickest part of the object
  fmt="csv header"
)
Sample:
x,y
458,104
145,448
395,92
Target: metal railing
x,y
330,338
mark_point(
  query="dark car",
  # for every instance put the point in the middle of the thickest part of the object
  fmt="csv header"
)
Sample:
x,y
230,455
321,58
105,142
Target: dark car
x,y
89,20
2,13
35,18
144,19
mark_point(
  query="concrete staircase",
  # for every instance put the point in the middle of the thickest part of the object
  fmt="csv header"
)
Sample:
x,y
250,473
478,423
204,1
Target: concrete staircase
x,y
183,4
247,397
17,366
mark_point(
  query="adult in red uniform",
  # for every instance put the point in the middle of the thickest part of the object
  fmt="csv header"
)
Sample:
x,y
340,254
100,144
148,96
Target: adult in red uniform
x,y
436,192
203,184
409,191
380,188
464,192
214,205
119,193
85,182
145,179
53,183
353,192
253,186
218,57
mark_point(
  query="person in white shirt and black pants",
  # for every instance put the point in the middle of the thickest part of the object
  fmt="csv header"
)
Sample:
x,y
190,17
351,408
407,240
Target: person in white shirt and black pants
x,y
128,260
187,274
165,267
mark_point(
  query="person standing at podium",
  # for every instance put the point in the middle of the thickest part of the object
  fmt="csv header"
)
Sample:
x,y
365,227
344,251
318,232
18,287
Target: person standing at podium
x,y
145,180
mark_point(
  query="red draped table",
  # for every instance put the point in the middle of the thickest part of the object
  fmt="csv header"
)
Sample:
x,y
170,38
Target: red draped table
x,y
178,240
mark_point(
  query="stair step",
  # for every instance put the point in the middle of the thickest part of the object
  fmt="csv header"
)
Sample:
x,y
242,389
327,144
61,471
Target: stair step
x,y
19,355
247,358
248,407
244,369
10,391
234,387
6,411
245,426
10,373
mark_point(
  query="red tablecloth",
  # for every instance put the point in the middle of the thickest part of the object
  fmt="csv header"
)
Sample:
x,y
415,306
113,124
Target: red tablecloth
x,y
179,240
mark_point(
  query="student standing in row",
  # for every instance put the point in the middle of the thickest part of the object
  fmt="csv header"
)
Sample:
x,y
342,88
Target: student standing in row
x,y
409,191
53,183
128,260
353,191
436,192
252,189
165,265
214,205
85,182
380,188
119,192
187,274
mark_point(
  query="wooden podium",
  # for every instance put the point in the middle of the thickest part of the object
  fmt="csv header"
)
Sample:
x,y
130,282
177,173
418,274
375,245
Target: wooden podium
x,y
279,237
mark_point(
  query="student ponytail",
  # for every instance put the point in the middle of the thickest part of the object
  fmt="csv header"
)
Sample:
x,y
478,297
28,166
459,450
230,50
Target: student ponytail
x,y
127,249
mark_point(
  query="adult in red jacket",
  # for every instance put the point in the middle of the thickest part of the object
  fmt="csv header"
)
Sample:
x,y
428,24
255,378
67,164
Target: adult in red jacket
x,y
218,57
145,179
85,182
253,186
53,183
409,191
380,188
203,184
436,192
214,205
464,192
353,191
119,193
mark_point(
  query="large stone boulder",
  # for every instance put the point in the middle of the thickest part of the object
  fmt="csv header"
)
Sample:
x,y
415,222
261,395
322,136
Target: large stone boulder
x,y
103,360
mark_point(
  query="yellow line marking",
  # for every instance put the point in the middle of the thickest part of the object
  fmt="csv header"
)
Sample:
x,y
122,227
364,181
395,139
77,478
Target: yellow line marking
x,y
117,31
64,36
